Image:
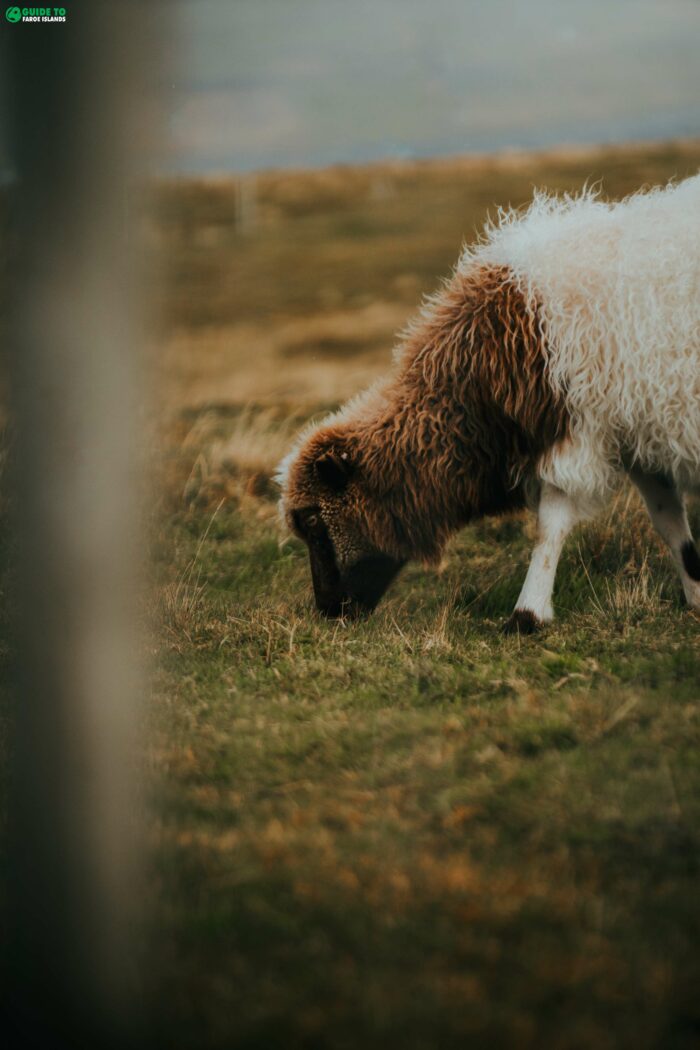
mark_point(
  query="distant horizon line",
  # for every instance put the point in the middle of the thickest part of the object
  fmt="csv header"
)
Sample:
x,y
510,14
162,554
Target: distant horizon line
x,y
505,156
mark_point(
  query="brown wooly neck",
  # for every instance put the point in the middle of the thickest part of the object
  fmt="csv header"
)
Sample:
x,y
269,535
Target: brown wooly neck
x,y
469,411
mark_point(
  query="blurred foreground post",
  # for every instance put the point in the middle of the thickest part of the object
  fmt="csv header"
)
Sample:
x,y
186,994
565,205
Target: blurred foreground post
x,y
76,96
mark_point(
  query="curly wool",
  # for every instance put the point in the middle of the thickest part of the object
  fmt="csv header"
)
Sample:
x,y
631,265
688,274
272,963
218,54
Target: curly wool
x,y
564,348
617,289
454,432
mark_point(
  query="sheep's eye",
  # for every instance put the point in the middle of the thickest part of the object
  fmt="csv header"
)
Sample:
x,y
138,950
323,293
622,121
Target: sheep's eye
x,y
308,524
314,527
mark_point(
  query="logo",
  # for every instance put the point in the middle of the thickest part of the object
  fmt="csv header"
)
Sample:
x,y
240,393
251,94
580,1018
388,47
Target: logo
x,y
35,14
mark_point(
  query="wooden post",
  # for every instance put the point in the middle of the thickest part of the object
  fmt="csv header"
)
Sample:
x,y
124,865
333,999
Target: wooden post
x,y
76,96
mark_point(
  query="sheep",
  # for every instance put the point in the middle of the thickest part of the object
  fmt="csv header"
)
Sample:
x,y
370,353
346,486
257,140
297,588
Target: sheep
x,y
562,354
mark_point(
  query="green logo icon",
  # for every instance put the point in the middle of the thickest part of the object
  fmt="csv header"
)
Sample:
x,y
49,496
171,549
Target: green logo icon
x,y
13,14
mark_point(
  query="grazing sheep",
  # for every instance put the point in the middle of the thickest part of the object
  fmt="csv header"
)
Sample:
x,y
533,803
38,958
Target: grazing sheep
x,y
563,352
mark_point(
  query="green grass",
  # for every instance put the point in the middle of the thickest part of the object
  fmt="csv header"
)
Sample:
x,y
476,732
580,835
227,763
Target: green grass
x,y
411,832
414,831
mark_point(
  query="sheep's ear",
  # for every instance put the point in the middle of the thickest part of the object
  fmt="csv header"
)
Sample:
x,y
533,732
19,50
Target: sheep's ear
x,y
333,470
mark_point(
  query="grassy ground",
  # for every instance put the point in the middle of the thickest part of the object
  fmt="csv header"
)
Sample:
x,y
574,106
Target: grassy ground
x,y
414,831
411,832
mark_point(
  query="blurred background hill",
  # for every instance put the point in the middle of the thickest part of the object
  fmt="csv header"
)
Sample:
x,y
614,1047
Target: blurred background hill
x,y
290,287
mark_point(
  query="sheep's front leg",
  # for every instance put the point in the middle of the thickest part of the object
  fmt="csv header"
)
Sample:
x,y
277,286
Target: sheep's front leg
x,y
557,515
668,515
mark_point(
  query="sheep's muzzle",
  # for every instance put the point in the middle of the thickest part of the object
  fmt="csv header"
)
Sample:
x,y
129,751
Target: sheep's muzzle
x,y
354,593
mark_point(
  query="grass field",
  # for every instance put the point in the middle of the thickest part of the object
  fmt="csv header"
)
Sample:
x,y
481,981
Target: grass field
x,y
412,832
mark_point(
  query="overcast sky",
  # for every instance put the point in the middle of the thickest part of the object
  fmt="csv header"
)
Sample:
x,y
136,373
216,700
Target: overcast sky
x,y
263,83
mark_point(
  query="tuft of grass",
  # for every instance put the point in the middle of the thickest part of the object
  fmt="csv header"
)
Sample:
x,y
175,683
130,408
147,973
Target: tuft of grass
x,y
256,444
628,600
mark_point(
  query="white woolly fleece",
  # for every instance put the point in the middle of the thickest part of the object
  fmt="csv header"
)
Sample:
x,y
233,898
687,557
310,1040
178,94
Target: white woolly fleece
x,y
618,292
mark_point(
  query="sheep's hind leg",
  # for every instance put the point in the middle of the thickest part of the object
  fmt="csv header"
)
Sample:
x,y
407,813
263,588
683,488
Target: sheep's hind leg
x,y
557,515
668,515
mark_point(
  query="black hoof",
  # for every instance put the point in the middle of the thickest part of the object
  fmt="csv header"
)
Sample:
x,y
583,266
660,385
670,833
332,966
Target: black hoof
x,y
522,621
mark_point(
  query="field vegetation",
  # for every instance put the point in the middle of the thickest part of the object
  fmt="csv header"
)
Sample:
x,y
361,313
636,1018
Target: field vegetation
x,y
413,831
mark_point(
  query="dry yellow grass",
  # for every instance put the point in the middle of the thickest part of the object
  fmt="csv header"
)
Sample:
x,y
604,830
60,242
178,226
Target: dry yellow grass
x,y
407,832
298,299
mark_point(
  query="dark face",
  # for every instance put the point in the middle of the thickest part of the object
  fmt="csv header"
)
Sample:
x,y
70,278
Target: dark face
x,y
351,590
